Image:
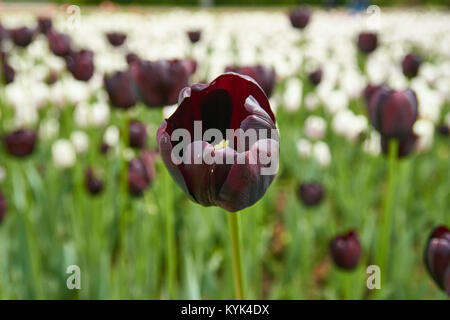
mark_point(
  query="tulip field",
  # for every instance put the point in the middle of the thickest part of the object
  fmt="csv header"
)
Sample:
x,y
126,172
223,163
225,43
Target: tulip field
x,y
352,109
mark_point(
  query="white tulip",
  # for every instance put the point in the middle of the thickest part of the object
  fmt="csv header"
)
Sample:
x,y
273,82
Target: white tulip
x,y
315,127
63,154
80,141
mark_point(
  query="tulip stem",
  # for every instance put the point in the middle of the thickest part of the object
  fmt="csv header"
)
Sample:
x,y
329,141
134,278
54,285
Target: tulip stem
x,y
233,220
386,217
171,256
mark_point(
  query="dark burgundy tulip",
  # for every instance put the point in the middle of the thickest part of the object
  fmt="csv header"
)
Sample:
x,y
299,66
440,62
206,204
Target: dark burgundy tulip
x,y
367,42
20,143
231,101
194,35
264,76
81,64
120,90
315,77
132,57
44,24
310,194
93,183
2,207
22,37
443,130
437,257
405,145
138,134
104,147
346,250
141,172
410,65
159,82
393,112
116,39
59,43
7,73
300,17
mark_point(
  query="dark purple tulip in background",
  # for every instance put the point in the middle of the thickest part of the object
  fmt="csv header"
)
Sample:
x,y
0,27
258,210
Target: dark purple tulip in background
x,y
315,77
159,82
300,17
81,64
437,257
311,193
141,172
20,143
367,42
410,65
194,35
116,39
22,36
346,250
138,134
44,24
93,183
59,43
120,89
392,112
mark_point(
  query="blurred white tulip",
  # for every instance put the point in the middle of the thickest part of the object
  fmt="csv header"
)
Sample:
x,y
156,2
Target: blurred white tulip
x,y
63,154
321,153
315,127
80,141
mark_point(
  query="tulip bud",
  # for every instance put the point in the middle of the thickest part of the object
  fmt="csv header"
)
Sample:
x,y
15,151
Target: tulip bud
x,y
141,173
392,112
346,250
120,91
410,65
116,39
59,43
2,207
194,35
81,64
138,134
44,24
367,42
264,76
437,257
20,143
315,77
310,194
22,37
93,184
300,17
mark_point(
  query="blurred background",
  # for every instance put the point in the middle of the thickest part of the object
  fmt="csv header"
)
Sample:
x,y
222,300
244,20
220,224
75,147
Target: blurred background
x,y
81,182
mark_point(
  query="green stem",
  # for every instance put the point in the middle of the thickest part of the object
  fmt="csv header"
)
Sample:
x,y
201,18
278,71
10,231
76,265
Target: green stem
x,y
171,257
386,217
233,220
